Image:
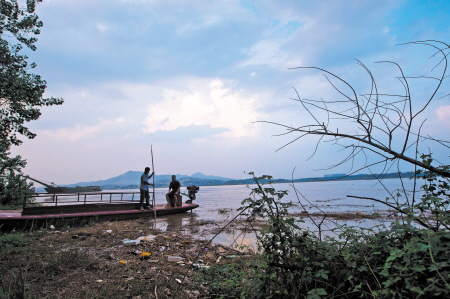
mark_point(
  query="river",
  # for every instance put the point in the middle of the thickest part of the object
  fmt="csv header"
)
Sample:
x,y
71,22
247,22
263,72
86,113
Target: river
x,y
219,204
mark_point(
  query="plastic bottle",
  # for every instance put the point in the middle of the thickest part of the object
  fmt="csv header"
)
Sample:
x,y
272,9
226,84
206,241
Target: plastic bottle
x,y
175,258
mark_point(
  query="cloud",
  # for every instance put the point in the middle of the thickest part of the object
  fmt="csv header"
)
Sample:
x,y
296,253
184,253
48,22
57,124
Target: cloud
x,y
79,131
269,53
101,27
443,113
205,102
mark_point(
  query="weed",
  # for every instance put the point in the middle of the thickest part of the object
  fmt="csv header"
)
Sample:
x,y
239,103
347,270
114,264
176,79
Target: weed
x,y
16,288
402,261
223,211
12,243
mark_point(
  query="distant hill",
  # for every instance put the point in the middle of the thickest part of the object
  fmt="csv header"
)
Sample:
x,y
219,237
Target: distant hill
x,y
130,180
199,175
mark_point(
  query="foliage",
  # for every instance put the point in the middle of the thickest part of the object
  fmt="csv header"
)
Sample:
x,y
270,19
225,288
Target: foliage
x,y
436,199
401,261
237,279
21,92
16,289
12,242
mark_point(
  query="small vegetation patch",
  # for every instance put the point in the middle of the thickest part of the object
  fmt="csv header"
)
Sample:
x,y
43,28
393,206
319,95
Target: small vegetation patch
x,y
12,243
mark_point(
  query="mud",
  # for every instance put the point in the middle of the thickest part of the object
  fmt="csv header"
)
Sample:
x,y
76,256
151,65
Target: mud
x,y
93,262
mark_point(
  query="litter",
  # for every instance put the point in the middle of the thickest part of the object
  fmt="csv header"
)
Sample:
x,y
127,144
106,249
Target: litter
x,y
148,238
175,258
109,231
145,255
200,266
123,262
128,242
177,280
218,260
162,248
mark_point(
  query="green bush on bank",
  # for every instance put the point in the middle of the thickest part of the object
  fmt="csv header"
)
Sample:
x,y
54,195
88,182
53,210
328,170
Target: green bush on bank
x,y
402,261
13,285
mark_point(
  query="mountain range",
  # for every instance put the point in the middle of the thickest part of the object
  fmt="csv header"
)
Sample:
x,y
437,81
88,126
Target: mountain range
x,y
131,179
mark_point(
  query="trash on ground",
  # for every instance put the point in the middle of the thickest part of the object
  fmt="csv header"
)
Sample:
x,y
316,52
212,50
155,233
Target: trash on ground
x,y
109,231
162,248
128,242
235,256
177,280
200,266
123,262
145,255
148,238
175,258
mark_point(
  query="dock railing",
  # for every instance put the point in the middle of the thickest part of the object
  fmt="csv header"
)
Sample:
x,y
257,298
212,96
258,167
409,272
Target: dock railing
x,y
80,198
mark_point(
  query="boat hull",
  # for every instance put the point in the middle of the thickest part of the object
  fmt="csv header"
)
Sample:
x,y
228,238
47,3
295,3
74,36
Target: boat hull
x,y
73,214
77,189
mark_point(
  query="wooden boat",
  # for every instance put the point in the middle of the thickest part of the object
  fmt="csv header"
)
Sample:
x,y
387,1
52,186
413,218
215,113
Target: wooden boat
x,y
82,212
54,189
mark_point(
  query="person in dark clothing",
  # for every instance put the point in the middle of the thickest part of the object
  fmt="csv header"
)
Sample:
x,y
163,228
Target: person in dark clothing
x,y
144,188
174,192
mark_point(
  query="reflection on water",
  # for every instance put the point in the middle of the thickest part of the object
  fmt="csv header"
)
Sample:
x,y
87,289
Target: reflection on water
x,y
218,205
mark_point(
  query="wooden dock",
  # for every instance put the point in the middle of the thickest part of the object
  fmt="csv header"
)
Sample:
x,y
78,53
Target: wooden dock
x,y
45,215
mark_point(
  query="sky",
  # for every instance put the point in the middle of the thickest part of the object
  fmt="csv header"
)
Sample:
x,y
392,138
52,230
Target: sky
x,y
193,79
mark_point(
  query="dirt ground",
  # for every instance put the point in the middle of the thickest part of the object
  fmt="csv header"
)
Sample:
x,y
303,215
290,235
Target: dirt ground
x,y
92,261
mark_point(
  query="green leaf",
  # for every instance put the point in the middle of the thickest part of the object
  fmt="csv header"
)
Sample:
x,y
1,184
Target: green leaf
x,y
316,293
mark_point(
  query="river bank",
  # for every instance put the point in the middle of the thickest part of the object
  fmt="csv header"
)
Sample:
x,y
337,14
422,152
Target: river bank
x,y
93,262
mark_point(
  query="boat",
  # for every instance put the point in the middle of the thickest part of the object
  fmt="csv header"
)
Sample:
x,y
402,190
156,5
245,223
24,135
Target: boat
x,y
55,189
73,212
77,189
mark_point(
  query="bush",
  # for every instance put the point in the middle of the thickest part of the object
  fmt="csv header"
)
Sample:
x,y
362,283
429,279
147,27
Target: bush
x,y
404,260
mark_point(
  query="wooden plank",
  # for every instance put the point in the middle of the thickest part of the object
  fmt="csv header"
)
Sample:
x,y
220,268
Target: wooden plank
x,y
15,218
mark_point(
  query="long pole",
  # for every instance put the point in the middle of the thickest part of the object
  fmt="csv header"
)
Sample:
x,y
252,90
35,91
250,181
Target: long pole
x,y
154,200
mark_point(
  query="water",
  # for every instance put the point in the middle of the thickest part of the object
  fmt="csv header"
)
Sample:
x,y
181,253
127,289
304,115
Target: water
x,y
219,204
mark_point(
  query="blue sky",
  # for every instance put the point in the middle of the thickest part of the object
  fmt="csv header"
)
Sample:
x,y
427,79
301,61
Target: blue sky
x,y
192,77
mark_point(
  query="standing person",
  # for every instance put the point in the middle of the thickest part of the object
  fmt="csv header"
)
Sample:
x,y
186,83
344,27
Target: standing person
x,y
175,186
144,188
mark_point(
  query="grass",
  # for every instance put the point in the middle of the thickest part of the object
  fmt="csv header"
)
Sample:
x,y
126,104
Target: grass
x,y
83,262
